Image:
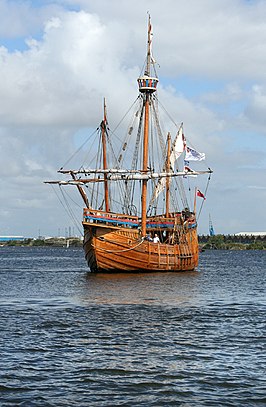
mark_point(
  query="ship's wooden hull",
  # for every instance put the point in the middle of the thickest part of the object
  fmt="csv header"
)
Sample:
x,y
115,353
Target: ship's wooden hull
x,y
114,249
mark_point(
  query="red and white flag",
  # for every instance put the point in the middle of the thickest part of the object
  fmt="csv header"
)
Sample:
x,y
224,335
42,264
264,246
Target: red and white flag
x,y
200,194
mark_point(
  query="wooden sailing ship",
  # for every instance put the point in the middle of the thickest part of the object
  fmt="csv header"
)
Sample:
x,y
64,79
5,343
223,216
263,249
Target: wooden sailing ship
x,y
141,220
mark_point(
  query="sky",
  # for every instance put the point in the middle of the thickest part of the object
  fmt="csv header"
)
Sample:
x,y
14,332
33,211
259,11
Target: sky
x,y
59,58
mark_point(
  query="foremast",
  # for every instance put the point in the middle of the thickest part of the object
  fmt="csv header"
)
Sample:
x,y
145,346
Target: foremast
x,y
147,86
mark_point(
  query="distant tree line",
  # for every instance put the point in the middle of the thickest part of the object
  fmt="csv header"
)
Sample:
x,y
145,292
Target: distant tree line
x,y
225,242
233,242
60,242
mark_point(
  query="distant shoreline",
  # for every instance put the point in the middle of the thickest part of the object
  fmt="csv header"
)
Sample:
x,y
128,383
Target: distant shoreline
x,y
51,242
232,242
223,242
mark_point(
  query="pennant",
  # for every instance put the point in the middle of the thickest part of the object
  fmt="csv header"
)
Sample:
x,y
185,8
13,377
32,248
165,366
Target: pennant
x,y
193,155
188,169
150,30
200,194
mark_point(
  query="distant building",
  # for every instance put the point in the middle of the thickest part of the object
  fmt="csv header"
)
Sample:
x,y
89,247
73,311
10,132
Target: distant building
x,y
11,238
250,234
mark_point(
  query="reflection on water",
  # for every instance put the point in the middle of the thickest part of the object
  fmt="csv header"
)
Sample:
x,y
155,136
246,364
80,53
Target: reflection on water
x,y
71,338
141,288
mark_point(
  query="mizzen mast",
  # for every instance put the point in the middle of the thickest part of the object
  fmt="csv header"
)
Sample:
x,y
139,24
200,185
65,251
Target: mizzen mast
x,y
147,86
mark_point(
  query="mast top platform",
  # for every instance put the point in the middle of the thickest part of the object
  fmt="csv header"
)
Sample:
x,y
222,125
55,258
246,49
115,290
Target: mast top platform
x,y
147,84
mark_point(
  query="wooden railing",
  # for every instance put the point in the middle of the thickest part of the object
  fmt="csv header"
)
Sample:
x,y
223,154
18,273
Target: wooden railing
x,y
121,220
109,218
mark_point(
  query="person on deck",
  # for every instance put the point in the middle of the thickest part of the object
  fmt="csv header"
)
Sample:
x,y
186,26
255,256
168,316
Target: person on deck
x,y
156,239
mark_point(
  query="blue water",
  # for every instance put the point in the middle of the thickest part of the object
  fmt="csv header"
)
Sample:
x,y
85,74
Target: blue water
x,y
71,338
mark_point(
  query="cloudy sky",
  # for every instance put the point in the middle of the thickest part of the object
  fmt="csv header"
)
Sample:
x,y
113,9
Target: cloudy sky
x,y
59,58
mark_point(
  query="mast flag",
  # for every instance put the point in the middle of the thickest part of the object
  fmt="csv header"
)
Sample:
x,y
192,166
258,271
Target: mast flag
x,y
153,61
200,194
193,155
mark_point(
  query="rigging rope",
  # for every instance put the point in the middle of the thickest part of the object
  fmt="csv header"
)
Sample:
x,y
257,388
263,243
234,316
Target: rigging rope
x,y
67,208
77,151
120,251
205,193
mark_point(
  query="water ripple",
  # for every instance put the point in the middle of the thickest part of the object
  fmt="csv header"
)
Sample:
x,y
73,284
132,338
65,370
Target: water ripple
x,y
187,339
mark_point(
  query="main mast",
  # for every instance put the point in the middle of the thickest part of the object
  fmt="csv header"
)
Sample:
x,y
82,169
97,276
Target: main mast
x,y
147,85
167,181
103,131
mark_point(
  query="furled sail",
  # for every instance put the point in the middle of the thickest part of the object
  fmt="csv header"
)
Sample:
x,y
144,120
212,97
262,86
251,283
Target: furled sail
x,y
132,177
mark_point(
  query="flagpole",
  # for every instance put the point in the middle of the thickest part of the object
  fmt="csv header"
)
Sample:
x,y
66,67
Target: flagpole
x,y
195,200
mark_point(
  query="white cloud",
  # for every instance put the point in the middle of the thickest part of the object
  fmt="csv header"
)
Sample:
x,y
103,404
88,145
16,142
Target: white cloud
x,y
61,78
255,110
222,38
